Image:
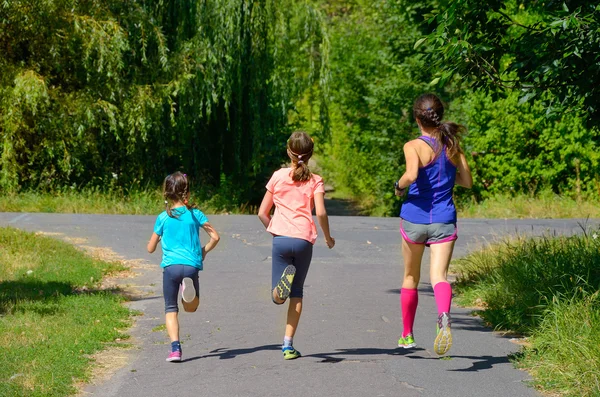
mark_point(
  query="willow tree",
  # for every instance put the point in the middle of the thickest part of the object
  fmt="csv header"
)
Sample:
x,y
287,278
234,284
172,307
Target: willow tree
x,y
121,92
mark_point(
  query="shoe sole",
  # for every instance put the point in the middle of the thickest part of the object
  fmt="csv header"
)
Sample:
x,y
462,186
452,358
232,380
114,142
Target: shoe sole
x,y
284,286
188,292
174,359
443,340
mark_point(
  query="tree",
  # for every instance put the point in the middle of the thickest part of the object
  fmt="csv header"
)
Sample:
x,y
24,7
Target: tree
x,y
113,92
548,50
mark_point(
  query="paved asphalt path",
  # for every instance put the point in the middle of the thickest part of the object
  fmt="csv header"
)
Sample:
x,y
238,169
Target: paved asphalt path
x,y
347,334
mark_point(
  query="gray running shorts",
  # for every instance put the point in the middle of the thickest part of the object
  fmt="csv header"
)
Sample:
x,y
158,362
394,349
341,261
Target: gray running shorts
x,y
432,233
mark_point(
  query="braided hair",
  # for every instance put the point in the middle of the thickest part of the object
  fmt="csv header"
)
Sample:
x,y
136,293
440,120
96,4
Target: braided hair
x,y
429,110
176,188
300,149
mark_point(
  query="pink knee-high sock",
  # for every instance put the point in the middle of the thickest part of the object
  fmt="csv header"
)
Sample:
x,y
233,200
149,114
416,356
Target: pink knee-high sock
x,y
409,299
443,296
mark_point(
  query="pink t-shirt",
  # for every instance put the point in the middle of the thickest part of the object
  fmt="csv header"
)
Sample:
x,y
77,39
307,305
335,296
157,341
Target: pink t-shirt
x,y
293,205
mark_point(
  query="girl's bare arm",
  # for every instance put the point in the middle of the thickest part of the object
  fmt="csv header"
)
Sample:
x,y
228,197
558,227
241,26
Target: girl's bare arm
x,y
323,218
214,239
154,239
264,212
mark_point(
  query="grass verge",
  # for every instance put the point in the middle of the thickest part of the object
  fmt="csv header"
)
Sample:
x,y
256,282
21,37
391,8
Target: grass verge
x,y
150,202
547,289
53,315
545,205
96,201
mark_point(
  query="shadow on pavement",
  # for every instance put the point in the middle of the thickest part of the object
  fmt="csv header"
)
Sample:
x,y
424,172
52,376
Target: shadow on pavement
x,y
479,362
224,353
330,357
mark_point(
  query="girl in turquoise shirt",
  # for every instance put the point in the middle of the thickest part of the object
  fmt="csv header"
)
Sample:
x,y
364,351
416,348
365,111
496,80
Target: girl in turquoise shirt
x,y
177,228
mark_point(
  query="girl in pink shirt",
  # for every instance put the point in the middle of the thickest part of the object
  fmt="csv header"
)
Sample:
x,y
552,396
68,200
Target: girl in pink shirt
x,y
294,191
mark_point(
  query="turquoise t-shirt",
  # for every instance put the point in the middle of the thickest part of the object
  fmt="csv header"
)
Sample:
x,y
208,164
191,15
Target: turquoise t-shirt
x,y
180,240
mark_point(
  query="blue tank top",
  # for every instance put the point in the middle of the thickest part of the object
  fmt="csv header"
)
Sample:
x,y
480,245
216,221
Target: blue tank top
x,y
429,198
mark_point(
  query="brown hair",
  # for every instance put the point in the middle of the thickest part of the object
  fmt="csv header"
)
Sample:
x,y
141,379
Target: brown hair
x,y
429,110
300,149
176,188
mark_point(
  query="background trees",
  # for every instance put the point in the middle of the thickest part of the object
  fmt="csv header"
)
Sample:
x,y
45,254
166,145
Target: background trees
x,y
115,94
123,92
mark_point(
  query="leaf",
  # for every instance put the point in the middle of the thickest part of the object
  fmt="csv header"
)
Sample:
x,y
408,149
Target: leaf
x,y
419,42
526,97
435,81
565,7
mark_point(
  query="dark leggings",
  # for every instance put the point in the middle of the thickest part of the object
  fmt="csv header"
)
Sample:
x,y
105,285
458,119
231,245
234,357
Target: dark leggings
x,y
173,275
291,251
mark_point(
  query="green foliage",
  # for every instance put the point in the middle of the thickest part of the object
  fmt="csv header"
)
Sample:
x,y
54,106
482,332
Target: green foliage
x,y
514,148
564,350
518,280
386,53
548,288
545,204
375,77
53,316
548,50
92,92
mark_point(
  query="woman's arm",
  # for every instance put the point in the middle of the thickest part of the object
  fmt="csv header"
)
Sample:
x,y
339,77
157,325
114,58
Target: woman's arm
x,y
412,166
323,218
463,172
264,212
214,239
154,239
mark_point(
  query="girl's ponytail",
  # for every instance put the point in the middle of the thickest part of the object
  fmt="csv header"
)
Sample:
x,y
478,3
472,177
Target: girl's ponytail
x,y
301,172
450,135
300,149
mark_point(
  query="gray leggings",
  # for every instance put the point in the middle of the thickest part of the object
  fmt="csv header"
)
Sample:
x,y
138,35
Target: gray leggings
x,y
291,251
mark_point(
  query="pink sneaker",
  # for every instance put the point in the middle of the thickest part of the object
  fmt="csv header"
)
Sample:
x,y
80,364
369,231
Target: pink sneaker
x,y
174,356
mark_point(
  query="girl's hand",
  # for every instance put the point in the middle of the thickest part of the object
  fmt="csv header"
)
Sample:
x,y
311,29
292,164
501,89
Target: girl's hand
x,y
330,242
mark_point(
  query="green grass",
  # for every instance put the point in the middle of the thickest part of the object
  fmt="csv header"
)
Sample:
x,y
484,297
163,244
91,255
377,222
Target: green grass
x,y
544,205
96,201
545,288
52,314
150,202
565,349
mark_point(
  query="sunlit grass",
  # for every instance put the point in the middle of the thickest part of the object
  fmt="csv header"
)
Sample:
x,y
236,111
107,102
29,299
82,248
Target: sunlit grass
x,y
545,205
545,288
93,201
53,315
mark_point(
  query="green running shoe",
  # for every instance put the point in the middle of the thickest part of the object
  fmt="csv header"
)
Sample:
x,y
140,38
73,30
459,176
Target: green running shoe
x,y
443,340
289,353
407,342
284,286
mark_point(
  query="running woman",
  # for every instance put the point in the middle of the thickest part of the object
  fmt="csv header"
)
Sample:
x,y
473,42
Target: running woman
x,y
177,228
294,192
435,163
